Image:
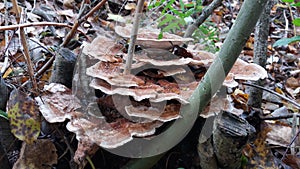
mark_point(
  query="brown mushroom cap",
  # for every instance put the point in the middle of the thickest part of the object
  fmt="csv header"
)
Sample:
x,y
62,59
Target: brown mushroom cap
x,y
148,38
104,49
57,103
248,71
109,135
154,92
170,112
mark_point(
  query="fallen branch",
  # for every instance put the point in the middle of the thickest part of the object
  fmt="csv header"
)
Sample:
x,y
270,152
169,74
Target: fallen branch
x,y
206,12
24,25
27,58
277,94
79,21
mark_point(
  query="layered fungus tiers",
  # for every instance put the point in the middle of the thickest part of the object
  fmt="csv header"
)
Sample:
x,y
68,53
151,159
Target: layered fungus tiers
x,y
160,82
162,79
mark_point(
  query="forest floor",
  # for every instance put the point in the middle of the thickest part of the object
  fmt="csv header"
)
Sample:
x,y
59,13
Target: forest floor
x,y
49,23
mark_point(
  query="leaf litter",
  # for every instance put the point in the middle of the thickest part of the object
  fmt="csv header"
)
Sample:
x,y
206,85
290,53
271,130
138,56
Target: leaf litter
x,y
60,105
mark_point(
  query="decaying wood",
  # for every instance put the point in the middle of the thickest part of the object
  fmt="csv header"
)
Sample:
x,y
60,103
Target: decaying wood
x,y
206,154
231,133
63,67
3,93
223,147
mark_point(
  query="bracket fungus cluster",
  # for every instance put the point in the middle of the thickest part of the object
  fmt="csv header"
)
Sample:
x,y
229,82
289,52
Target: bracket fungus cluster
x,y
134,105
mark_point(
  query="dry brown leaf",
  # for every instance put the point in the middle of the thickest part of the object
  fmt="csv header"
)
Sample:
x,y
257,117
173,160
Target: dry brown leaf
x,y
279,135
40,155
292,161
292,82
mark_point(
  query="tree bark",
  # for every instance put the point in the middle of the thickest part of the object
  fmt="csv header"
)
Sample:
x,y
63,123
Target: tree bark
x,y
4,93
231,133
206,154
206,12
63,67
260,53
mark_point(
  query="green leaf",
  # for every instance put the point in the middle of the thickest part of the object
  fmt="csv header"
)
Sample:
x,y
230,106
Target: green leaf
x,y
189,12
167,19
296,22
189,5
296,4
288,1
24,116
3,114
172,23
168,6
181,5
286,41
160,35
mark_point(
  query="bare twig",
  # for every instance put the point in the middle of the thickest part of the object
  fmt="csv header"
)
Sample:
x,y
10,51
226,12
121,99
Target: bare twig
x,y
292,18
277,94
26,50
79,21
13,27
206,12
286,24
134,31
45,67
279,117
293,140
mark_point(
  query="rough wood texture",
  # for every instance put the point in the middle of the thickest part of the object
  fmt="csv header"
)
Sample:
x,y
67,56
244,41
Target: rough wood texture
x,y
63,67
206,155
231,133
3,94
260,53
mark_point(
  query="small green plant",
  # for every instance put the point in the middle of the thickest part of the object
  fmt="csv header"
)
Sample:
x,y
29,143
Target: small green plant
x,y
296,22
3,114
207,34
173,18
